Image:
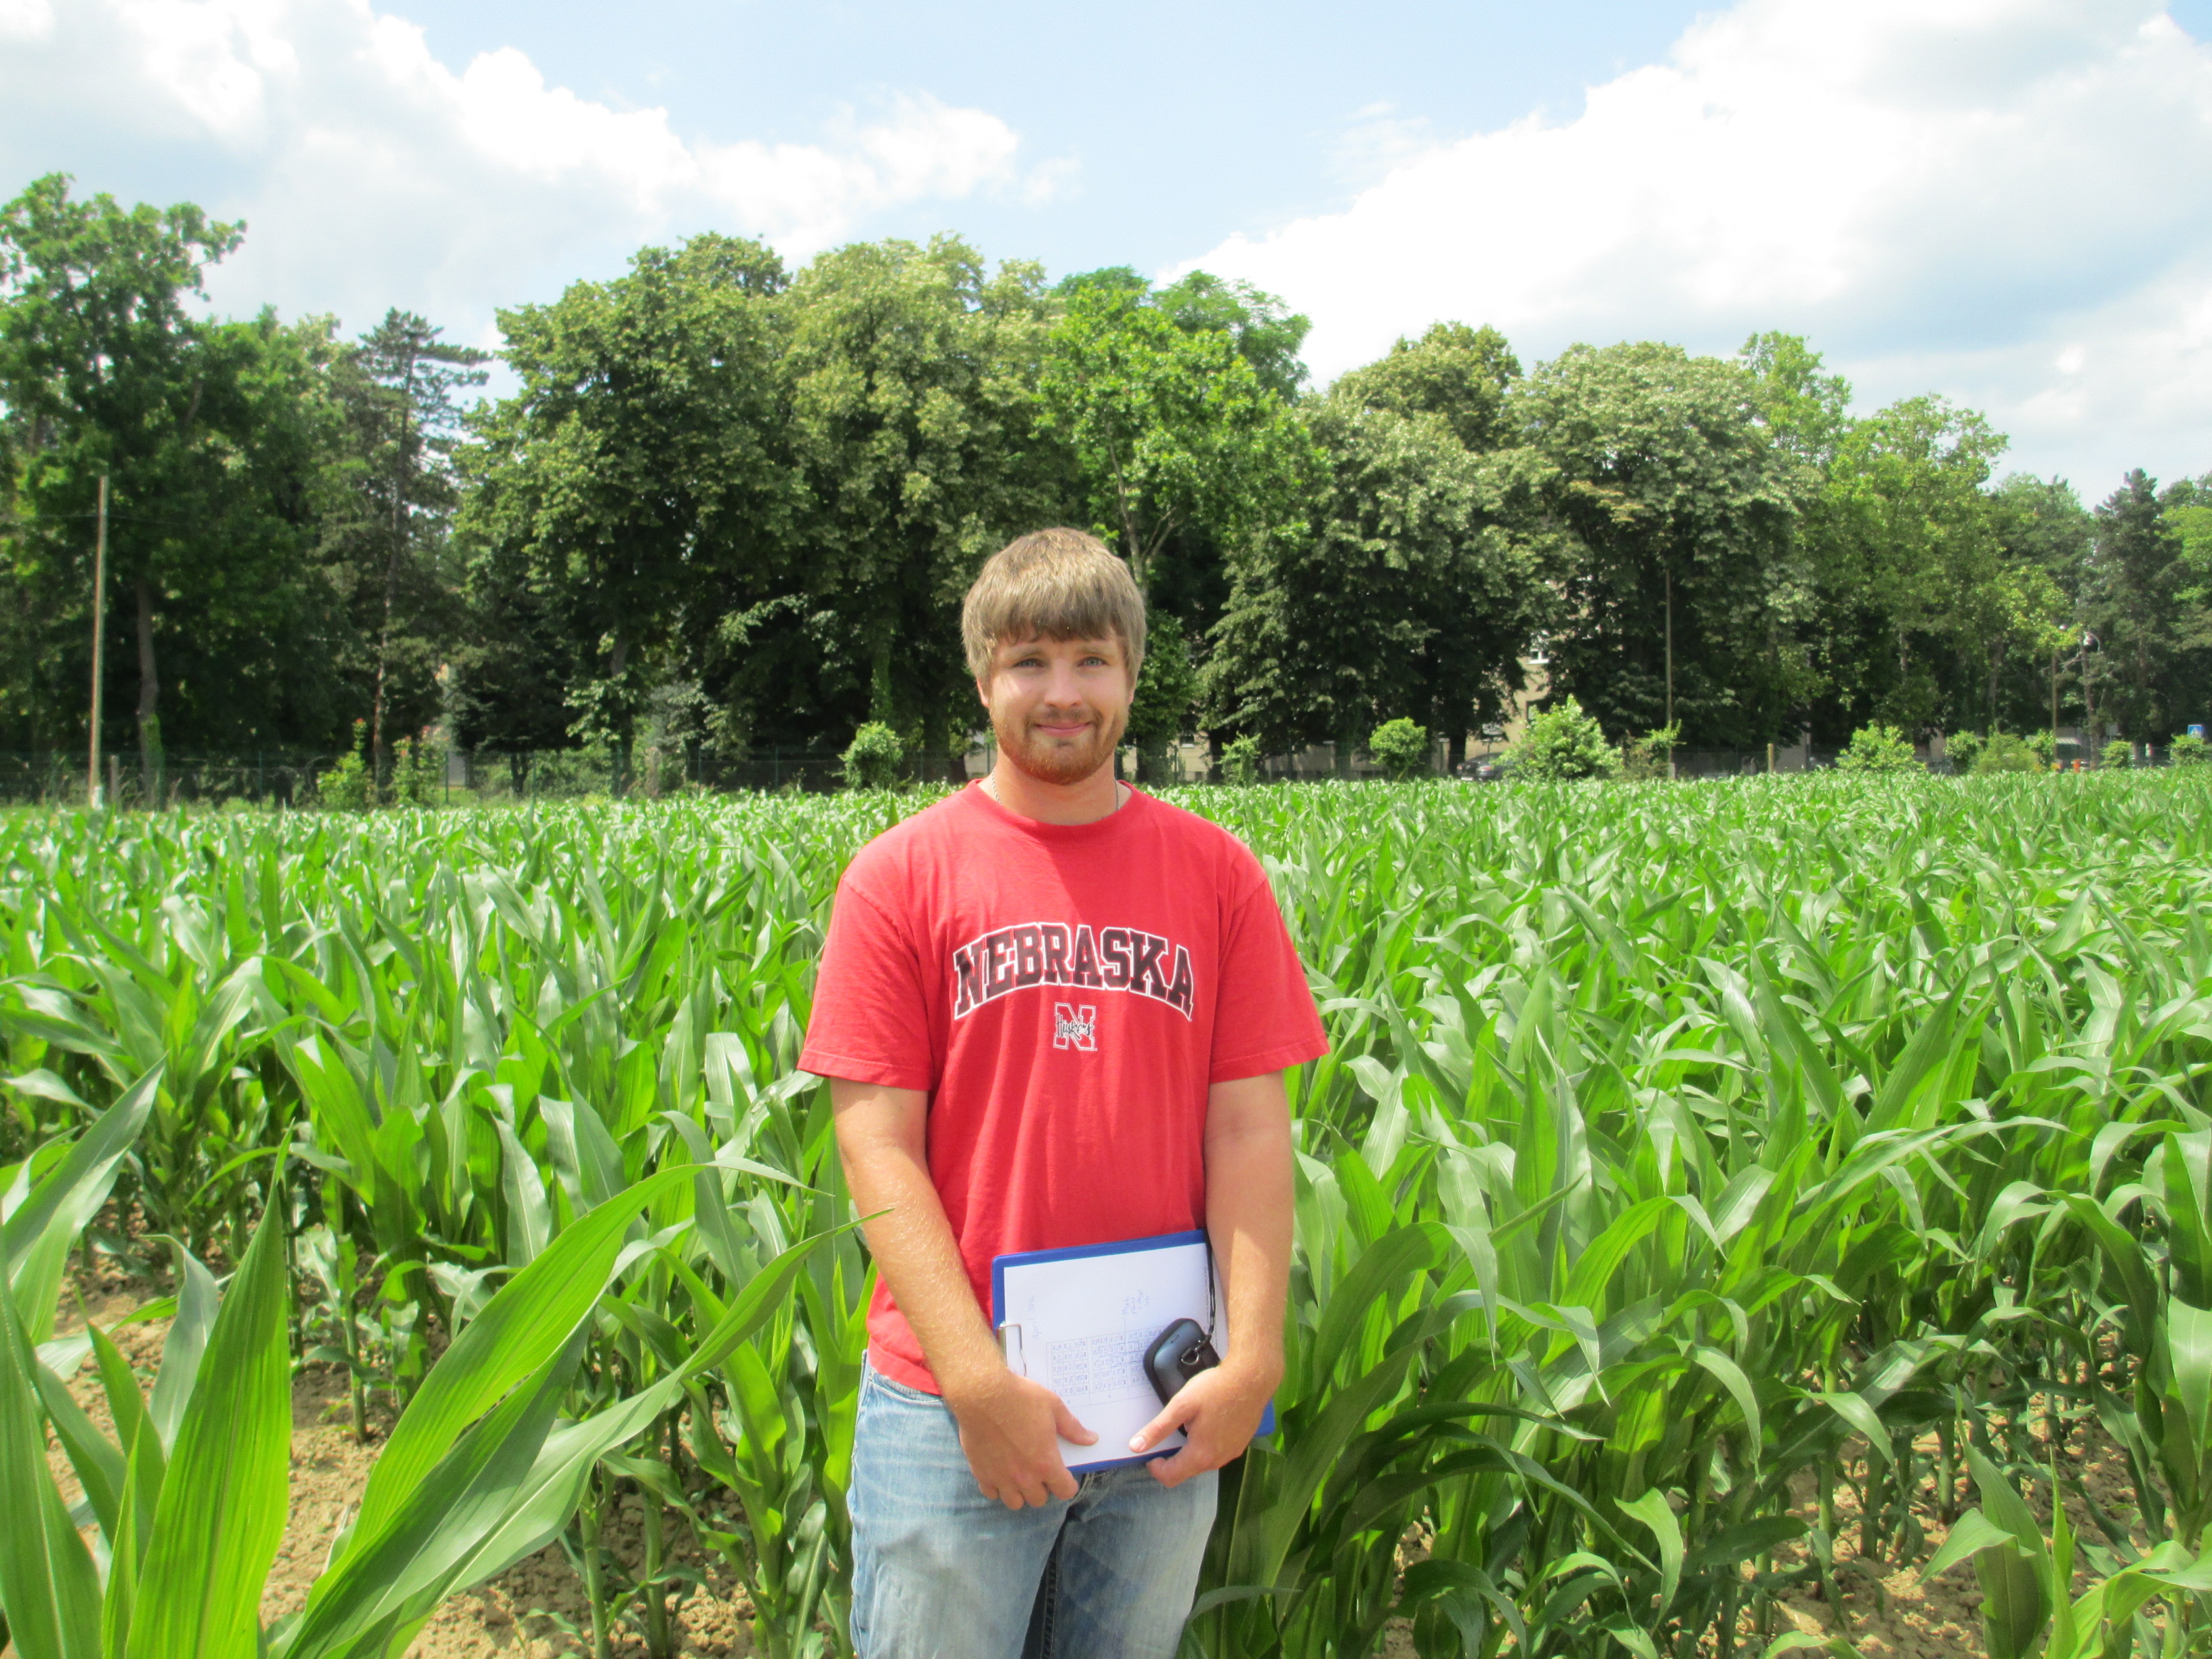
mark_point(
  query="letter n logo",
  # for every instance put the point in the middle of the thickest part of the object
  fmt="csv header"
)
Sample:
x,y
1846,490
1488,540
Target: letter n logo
x,y
1074,1028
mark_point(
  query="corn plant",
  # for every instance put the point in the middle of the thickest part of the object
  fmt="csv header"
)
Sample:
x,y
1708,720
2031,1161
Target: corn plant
x,y
1678,1144
479,1471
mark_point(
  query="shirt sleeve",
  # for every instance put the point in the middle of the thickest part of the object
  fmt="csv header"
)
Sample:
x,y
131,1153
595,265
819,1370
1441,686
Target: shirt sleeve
x,y
871,1023
1265,1020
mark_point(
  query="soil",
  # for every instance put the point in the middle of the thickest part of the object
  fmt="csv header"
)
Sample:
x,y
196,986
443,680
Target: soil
x,y
538,1609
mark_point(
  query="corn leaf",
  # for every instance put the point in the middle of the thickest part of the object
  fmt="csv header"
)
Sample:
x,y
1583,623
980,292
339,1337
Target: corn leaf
x,y
224,1500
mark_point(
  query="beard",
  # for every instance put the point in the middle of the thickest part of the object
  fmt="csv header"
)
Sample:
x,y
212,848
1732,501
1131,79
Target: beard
x,y
1059,759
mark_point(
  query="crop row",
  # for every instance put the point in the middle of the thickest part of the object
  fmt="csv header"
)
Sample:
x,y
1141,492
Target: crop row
x,y
1680,1149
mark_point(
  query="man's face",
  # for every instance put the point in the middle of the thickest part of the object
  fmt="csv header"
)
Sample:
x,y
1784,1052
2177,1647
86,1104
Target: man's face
x,y
1059,707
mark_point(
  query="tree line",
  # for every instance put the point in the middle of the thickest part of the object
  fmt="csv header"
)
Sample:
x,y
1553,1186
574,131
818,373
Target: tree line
x,y
728,504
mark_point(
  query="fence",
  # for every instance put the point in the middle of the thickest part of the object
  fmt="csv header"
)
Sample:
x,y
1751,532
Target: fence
x,y
290,778
275,777
287,778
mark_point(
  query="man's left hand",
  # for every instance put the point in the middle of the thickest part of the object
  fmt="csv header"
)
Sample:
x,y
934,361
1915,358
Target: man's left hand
x,y
1219,1411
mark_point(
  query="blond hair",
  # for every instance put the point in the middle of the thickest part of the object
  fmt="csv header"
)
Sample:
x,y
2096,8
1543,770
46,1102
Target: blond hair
x,y
1062,584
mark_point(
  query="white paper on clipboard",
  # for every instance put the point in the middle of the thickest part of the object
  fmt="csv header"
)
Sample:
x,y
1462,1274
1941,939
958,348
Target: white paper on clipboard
x,y
1079,1321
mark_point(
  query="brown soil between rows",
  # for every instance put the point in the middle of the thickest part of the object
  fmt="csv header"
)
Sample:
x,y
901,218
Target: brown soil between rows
x,y
538,1610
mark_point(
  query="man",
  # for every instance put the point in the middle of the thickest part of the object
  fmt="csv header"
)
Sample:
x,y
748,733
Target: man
x,y
1054,1011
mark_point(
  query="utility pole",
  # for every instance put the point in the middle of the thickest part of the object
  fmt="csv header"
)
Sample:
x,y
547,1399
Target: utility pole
x,y
99,643
2054,698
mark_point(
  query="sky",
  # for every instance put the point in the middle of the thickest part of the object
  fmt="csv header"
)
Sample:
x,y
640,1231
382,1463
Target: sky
x,y
2001,202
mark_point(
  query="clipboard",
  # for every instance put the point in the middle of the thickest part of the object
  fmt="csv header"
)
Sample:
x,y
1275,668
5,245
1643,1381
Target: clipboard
x,y
1078,1320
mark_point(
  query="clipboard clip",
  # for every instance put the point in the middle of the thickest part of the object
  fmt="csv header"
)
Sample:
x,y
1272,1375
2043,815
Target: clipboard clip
x,y
1010,1347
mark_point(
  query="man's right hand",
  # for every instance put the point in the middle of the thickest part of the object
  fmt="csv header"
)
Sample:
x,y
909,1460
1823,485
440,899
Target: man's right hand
x,y
1011,1428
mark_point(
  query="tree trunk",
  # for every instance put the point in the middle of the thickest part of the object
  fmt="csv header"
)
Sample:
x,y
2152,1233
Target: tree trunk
x,y
391,581
149,689
618,660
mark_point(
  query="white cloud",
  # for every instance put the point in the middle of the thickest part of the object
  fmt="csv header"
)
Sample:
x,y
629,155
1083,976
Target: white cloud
x,y
25,20
2002,200
371,174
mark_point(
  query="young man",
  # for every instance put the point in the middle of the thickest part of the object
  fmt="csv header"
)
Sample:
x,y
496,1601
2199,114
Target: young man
x,y
1054,1011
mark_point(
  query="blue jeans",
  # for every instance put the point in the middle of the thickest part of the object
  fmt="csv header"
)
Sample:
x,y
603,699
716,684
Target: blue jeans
x,y
940,1571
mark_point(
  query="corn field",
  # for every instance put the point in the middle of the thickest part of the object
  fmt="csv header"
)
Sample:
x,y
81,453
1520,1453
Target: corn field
x,y
1683,1150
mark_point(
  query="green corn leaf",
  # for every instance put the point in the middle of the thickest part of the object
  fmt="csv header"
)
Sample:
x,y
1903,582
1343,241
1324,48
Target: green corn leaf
x,y
40,1233
224,1500
2002,1503
1652,1509
471,1488
1729,1375
99,1466
48,1588
2015,1609
145,1463
1971,1533
530,1217
2189,1349
1854,1410
524,1325
184,1346
128,1552
539,1505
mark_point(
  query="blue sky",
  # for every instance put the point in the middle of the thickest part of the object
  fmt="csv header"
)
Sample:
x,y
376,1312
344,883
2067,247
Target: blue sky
x,y
1185,123
2001,201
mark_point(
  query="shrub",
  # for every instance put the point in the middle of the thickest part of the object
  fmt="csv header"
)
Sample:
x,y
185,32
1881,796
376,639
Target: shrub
x,y
349,786
1400,748
1648,756
2006,753
585,773
1240,761
418,770
1878,748
1564,743
2190,750
2043,745
2119,752
872,759
1963,749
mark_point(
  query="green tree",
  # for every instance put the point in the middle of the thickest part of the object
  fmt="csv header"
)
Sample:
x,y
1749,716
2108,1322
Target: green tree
x,y
1404,593
636,480
2136,580
1912,562
211,432
1167,694
2005,752
1171,427
1267,334
1460,374
1806,409
200,426
409,374
910,375
1675,515
2046,534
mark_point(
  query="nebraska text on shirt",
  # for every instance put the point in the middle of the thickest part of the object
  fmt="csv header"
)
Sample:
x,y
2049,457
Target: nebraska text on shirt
x,y
1032,953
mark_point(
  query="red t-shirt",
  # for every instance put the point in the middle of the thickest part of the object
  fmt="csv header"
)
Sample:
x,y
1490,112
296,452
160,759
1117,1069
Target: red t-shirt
x,y
1064,994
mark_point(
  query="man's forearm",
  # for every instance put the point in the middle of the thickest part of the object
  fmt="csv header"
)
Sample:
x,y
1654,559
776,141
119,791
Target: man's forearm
x,y
914,1250
1249,1200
